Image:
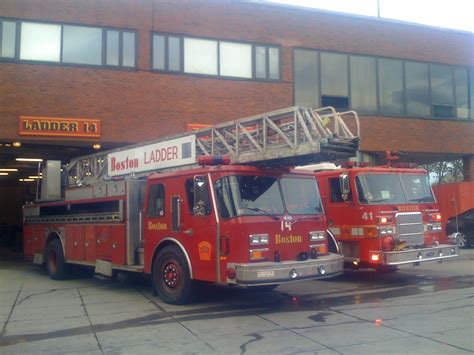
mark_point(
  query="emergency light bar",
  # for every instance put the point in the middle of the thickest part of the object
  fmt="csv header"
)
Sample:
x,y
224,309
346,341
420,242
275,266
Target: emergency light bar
x,y
213,160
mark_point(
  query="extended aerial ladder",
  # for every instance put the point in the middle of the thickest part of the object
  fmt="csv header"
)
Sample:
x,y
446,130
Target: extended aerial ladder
x,y
287,137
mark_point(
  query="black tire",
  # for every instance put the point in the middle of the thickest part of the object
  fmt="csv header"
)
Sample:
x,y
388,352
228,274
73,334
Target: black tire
x,y
171,277
465,239
57,267
262,288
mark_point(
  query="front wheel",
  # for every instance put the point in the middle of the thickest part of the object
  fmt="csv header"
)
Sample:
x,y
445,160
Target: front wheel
x,y
57,267
171,276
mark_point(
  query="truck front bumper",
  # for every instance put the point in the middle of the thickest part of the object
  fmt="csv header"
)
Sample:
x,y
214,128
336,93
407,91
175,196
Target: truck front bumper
x,y
411,256
265,273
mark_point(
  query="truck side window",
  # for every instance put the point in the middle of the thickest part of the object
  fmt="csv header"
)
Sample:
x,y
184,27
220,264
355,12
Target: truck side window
x,y
335,191
156,201
189,186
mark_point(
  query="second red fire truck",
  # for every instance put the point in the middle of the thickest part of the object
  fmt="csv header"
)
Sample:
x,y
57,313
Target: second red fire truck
x,y
178,210
383,217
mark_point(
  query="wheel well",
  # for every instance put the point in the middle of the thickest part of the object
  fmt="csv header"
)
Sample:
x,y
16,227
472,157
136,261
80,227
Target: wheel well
x,y
333,247
167,242
50,238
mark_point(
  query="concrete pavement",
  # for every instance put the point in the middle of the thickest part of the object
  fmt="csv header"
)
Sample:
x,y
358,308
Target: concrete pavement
x,y
423,310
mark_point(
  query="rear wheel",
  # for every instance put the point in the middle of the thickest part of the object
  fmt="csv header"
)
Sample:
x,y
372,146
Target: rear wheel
x,y
57,267
171,276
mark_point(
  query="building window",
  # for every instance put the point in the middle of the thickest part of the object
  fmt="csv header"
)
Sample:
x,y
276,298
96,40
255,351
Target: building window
x,y
128,49
417,89
267,63
306,77
7,39
442,91
200,56
273,63
82,45
462,96
213,57
166,53
235,59
68,44
41,42
363,84
113,48
391,96
334,81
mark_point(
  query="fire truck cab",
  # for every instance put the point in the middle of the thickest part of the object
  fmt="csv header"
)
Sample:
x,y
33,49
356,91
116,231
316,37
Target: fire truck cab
x,y
383,217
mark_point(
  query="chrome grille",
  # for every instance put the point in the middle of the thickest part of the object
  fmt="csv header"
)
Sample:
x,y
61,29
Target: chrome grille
x,y
410,228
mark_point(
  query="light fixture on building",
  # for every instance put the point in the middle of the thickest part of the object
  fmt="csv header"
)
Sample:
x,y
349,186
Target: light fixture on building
x,y
17,144
96,146
35,160
35,177
26,180
8,169
3,174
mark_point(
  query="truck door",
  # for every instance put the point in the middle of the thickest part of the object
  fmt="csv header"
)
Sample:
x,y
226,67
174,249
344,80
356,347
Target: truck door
x,y
198,227
343,218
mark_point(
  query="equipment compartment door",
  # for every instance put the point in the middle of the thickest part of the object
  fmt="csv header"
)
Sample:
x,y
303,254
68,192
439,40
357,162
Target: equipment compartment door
x,y
103,245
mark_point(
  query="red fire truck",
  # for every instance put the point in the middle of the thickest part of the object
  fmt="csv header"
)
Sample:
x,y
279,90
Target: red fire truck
x,y
383,217
218,205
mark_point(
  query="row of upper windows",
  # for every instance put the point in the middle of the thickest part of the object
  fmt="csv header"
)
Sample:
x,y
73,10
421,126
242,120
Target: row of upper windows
x,y
373,85
367,84
97,46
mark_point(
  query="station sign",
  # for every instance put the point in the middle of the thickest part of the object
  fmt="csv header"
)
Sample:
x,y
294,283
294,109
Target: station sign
x,y
59,127
156,156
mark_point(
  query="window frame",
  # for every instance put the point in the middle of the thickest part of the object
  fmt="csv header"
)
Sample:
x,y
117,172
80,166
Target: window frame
x,y
182,37
149,201
104,30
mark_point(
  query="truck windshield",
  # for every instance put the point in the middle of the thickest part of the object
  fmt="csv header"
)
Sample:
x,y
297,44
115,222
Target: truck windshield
x,y
393,188
240,195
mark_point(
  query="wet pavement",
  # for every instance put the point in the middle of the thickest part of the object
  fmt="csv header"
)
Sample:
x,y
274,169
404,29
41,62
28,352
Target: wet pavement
x,y
418,310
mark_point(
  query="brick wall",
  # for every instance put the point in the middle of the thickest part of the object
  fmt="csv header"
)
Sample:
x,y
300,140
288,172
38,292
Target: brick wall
x,y
140,105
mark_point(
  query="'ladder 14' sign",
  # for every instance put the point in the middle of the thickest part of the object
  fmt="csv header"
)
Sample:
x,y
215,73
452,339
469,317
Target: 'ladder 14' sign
x,y
167,154
59,127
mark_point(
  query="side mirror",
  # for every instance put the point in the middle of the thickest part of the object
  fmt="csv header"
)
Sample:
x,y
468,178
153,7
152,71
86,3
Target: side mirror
x,y
344,184
201,196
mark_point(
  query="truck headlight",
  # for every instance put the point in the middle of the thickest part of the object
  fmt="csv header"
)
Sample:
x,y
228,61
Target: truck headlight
x,y
386,230
258,239
434,227
316,236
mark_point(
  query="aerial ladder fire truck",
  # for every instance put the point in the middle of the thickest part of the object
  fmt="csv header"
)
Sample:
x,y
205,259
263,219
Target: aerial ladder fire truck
x,y
385,216
219,205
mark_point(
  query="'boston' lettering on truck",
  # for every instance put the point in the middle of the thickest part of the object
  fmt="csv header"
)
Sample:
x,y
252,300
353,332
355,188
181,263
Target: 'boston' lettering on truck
x,y
288,239
124,164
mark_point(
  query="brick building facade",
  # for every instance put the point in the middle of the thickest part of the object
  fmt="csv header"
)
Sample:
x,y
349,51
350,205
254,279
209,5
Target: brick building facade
x,y
146,98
